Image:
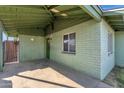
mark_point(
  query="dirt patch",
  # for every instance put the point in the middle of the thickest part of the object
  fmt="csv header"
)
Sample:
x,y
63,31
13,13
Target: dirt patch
x,y
116,78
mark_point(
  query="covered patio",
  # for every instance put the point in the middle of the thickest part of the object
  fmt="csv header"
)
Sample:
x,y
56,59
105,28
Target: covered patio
x,y
46,74
60,45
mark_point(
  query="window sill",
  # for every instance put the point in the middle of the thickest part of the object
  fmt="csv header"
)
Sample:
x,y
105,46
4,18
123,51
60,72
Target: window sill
x,y
68,52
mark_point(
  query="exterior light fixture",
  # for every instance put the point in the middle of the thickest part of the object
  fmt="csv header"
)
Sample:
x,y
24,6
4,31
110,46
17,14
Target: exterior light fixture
x,y
63,14
32,39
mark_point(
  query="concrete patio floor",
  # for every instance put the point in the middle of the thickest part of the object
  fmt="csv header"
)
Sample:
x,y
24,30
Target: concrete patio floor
x,y
46,74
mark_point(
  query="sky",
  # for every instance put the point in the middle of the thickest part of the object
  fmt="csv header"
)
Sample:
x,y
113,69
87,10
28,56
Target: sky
x,y
109,7
5,37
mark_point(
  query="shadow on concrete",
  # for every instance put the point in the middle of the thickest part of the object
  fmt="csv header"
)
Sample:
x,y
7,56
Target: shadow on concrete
x,y
5,83
15,68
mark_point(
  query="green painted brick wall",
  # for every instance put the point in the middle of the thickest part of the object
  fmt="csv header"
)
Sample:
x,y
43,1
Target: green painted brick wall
x,y
107,61
91,48
119,48
31,50
87,57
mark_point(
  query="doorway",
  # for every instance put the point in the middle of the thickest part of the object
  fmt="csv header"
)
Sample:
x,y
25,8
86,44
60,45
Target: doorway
x,y
48,48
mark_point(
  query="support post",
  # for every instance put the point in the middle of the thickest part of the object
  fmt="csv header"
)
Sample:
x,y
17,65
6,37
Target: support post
x,y
1,47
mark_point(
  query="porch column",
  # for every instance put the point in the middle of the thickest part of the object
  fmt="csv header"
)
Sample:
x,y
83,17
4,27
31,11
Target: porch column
x,y
1,47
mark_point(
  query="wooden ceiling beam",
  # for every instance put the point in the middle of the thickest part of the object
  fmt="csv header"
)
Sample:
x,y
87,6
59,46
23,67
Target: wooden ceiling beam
x,y
113,13
53,6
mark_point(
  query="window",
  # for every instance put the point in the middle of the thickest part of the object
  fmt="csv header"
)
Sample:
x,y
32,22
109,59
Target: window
x,y
110,43
69,43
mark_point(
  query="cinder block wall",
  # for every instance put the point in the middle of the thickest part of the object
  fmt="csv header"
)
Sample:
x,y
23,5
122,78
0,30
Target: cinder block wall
x,y
87,57
91,48
107,60
119,48
31,47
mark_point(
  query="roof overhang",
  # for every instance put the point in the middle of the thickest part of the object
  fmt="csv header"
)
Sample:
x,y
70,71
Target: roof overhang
x,y
93,11
115,18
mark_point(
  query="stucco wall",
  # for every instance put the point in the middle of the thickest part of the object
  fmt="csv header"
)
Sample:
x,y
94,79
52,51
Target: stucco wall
x,y
107,61
31,50
119,48
87,57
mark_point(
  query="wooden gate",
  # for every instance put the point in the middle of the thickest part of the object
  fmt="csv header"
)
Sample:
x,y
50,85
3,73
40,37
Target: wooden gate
x,y
10,51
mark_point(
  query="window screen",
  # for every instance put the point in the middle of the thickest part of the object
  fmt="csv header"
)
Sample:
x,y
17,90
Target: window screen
x,y
69,43
65,42
72,42
110,43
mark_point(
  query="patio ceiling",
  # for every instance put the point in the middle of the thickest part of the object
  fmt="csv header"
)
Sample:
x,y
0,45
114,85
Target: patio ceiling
x,y
115,18
32,19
